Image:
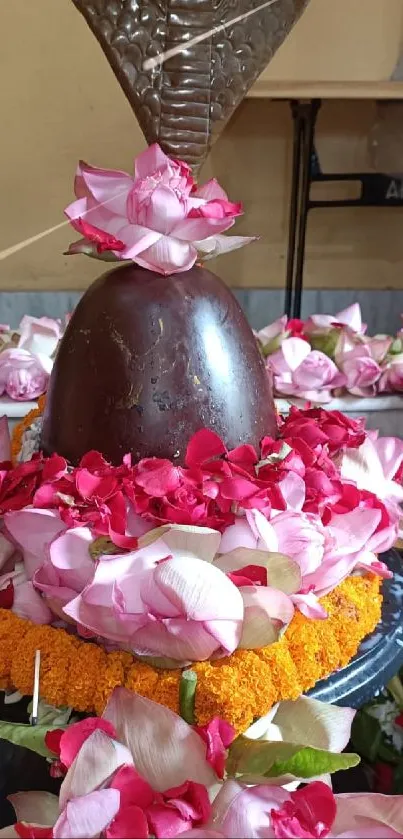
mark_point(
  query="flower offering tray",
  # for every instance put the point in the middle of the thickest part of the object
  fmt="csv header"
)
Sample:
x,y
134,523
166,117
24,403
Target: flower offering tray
x,y
381,654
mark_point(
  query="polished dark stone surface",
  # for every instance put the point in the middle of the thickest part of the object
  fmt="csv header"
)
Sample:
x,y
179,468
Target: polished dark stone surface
x,y
148,360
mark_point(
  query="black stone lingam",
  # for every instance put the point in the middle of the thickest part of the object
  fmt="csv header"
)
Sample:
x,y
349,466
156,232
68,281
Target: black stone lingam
x,y
148,360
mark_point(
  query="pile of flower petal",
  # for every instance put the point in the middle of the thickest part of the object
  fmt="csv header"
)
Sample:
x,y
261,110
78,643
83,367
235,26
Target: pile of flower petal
x,y
327,356
188,564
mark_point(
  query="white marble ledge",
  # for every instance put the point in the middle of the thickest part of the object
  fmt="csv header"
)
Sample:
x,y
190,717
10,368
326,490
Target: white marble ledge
x,y
394,402
348,404
15,410
382,412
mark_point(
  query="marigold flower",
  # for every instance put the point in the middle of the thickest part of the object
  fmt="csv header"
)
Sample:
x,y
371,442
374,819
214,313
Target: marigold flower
x,y
22,426
239,688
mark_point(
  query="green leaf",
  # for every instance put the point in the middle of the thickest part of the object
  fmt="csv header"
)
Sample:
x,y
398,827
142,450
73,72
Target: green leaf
x,y
256,757
51,716
270,759
271,346
326,343
310,763
366,735
187,695
30,736
397,347
103,547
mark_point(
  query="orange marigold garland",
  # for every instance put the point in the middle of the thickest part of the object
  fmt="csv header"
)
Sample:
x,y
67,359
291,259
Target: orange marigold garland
x,y
22,426
238,688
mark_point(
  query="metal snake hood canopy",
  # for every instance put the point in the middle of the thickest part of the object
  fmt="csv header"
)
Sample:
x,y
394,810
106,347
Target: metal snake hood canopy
x,y
214,51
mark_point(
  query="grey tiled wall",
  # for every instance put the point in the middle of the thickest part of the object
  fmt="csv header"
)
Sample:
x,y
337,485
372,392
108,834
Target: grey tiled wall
x,y
381,309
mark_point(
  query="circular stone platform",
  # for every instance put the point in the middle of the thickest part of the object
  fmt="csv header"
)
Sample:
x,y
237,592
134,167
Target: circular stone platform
x,y
381,654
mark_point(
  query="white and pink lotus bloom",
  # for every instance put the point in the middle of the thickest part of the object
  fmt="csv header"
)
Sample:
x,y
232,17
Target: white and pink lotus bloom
x,y
25,368
350,317
157,217
272,336
170,598
391,379
376,467
142,771
325,556
303,372
359,358
316,358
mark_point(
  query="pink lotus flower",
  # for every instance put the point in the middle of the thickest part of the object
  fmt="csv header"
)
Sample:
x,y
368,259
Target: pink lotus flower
x,y
22,598
299,536
354,540
23,376
33,531
360,369
376,468
163,774
39,336
57,561
351,540
158,218
74,737
350,317
273,813
25,369
142,770
300,371
271,337
263,810
67,569
391,379
165,599
218,736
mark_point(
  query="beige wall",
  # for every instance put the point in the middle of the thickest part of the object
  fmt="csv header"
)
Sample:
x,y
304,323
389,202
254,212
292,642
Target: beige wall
x,y
59,102
347,40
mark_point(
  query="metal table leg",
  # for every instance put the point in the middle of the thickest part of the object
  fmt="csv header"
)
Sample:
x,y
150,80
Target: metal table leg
x,y
304,118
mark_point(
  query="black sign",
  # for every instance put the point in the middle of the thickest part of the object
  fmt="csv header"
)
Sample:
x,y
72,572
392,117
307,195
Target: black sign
x,y
376,190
